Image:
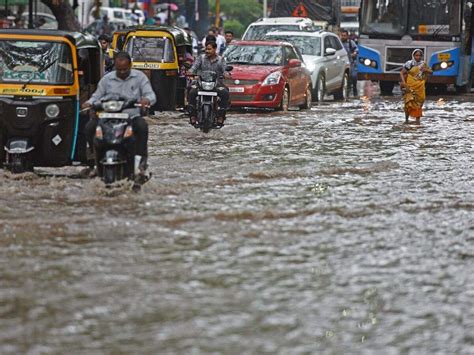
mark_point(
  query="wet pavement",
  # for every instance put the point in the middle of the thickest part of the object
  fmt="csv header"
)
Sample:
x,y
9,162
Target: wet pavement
x,y
336,230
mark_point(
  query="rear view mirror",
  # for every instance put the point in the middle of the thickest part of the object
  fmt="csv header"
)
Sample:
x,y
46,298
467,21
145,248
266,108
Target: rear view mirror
x,y
294,63
229,68
330,51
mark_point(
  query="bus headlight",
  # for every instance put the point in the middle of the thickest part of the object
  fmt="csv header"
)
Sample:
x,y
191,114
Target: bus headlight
x,y
442,65
368,62
52,111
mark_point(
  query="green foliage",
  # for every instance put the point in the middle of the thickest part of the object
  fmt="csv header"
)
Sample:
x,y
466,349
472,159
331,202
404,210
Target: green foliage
x,y
236,27
243,12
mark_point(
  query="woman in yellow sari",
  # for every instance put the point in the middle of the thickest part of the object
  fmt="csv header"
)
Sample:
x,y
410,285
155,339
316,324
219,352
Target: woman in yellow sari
x,y
413,77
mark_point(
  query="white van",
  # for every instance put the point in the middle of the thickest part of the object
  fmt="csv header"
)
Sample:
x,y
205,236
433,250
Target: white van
x,y
258,29
113,13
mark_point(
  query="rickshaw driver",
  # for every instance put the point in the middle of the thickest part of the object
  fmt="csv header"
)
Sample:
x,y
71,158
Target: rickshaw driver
x,y
131,84
212,62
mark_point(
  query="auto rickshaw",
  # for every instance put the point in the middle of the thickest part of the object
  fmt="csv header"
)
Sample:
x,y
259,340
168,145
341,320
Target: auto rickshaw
x,y
45,75
160,52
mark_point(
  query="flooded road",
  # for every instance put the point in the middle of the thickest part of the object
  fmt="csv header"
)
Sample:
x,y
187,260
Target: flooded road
x,y
338,230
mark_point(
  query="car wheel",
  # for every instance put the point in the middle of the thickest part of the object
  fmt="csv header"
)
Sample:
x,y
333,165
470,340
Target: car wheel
x,y
285,100
343,92
308,99
320,88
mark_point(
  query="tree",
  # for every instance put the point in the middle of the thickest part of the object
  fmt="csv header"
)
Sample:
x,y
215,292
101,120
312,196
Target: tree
x,y
64,13
243,11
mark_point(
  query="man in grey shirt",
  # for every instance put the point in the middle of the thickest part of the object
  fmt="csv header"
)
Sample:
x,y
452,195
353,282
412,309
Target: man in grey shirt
x,y
126,83
211,62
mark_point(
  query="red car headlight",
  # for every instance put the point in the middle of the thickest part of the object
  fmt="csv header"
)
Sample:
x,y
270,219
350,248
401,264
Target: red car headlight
x,y
272,79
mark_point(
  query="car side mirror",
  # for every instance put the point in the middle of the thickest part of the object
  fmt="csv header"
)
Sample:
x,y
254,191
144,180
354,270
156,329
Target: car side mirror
x,y
229,68
330,51
294,63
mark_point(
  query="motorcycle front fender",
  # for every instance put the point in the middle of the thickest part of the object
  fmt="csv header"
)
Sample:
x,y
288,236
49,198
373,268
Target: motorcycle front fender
x,y
19,146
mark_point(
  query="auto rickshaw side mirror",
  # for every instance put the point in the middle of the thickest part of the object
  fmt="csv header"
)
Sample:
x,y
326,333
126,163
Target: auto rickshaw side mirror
x,y
229,68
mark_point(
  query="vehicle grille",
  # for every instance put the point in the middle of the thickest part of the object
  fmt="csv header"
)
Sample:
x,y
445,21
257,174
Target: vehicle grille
x,y
242,82
240,97
396,57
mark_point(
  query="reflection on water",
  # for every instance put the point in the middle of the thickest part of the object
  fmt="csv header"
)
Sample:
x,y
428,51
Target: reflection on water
x,y
337,230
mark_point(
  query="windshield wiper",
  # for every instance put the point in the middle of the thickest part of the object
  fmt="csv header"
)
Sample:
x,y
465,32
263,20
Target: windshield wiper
x,y
238,62
42,70
139,52
265,64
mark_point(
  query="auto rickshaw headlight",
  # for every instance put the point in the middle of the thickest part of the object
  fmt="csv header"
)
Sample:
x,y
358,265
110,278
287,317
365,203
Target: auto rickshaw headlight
x,y
52,111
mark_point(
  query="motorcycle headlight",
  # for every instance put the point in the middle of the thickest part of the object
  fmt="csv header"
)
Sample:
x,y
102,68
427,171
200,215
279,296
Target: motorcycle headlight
x,y
208,85
272,79
98,133
112,106
52,111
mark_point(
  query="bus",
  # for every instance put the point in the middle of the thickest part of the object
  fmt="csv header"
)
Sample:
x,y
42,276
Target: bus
x,y
389,31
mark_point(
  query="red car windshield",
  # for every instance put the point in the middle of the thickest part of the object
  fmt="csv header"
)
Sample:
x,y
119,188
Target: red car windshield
x,y
254,55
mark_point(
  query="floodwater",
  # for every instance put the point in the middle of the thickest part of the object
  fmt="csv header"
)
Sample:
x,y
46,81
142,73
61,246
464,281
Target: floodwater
x,y
337,230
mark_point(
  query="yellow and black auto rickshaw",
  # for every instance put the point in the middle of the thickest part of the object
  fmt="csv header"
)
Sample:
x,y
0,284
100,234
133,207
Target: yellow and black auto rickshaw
x,y
160,52
44,77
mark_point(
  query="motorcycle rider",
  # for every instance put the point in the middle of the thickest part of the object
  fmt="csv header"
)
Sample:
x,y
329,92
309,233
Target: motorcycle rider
x,y
124,82
212,62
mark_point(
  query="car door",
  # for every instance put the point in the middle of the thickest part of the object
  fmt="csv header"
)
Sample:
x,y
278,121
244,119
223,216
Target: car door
x,y
341,60
330,64
294,78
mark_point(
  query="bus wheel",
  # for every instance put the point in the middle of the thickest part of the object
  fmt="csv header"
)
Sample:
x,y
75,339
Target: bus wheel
x,y
386,87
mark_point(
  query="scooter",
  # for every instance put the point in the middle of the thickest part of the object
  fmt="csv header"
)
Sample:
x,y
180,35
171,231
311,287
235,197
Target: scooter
x,y
114,141
207,101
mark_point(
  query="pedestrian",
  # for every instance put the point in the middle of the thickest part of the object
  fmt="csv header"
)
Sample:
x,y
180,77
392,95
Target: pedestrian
x,y
104,41
103,26
219,39
413,78
19,23
193,39
352,50
229,37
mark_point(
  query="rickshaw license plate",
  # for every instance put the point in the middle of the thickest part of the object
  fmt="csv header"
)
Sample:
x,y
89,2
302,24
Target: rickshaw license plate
x,y
113,115
207,93
236,89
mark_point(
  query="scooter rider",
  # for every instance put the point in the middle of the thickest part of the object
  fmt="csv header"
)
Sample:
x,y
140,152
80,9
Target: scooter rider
x,y
212,62
124,82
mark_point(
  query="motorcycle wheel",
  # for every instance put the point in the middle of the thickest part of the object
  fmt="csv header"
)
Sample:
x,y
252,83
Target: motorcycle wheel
x,y
111,174
206,122
20,163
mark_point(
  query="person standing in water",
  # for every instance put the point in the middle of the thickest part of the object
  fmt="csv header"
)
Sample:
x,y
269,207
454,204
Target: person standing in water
x,y
413,78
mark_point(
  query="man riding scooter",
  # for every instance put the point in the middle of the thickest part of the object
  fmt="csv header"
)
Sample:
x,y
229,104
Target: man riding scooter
x,y
212,62
128,83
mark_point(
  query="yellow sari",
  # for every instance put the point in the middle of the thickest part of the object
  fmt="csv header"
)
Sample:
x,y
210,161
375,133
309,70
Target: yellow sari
x,y
415,95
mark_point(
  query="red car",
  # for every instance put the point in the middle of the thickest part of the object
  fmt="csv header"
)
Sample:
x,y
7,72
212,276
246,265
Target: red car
x,y
267,74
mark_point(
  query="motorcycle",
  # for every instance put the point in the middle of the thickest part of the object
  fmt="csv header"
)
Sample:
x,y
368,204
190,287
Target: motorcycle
x,y
114,141
207,101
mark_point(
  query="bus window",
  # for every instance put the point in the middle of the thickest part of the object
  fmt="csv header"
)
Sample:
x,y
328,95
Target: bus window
x,y
383,17
434,18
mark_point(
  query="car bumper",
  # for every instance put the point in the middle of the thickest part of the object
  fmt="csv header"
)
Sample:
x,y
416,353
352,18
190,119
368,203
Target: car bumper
x,y
256,95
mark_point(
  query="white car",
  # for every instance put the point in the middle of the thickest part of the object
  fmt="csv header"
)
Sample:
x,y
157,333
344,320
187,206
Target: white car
x,y
257,30
326,59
